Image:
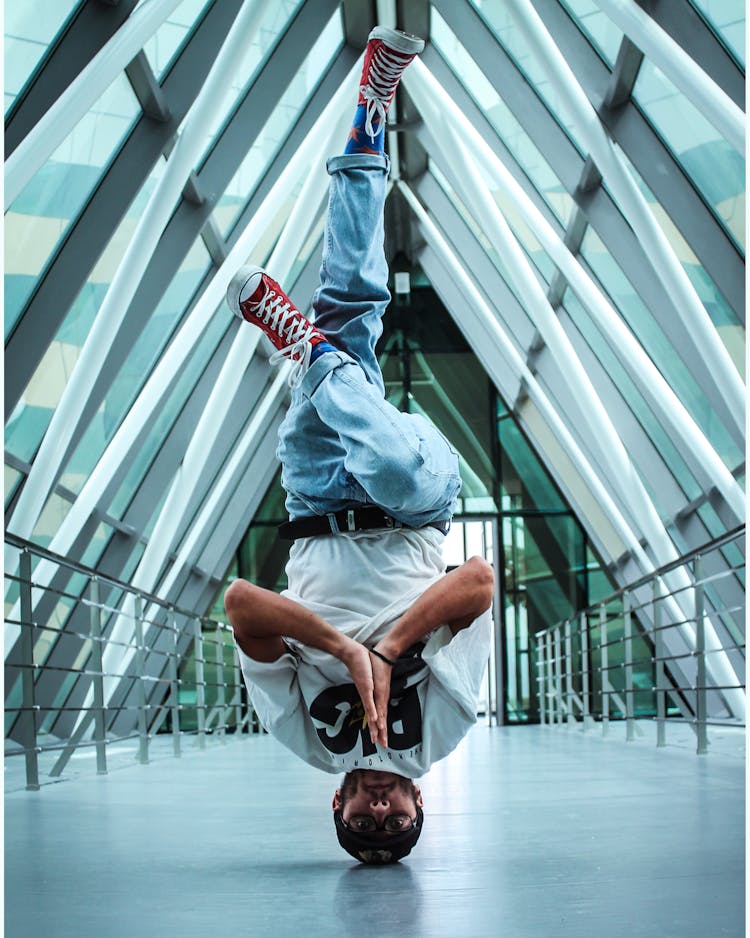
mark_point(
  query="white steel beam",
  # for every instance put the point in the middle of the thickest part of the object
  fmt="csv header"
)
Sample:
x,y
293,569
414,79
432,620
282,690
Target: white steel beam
x,y
201,119
451,127
634,207
77,99
687,76
486,338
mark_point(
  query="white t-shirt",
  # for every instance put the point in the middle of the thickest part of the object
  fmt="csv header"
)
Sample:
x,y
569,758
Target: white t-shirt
x,y
361,584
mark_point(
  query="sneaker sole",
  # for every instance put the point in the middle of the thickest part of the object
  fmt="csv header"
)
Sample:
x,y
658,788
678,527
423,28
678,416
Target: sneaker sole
x,y
398,41
235,288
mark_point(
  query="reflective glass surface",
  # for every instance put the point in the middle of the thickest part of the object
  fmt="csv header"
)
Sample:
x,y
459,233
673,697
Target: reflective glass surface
x,y
43,212
30,28
276,129
715,168
501,20
728,326
275,19
727,19
641,321
601,32
163,47
488,99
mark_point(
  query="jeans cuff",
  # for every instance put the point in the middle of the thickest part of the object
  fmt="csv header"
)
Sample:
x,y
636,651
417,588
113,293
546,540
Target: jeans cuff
x,y
319,369
345,161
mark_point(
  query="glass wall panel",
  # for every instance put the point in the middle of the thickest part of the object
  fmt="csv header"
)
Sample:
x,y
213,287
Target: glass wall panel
x,y
166,415
624,296
41,215
276,18
166,43
144,354
601,32
278,126
501,20
727,19
636,402
730,329
712,164
29,421
30,28
528,157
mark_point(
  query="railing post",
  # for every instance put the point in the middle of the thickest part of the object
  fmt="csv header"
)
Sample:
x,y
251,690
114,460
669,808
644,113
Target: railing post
x,y
604,667
661,677
174,685
221,697
629,702
558,676
700,654
200,684
585,691
237,688
541,691
140,663
569,673
100,713
550,681
28,714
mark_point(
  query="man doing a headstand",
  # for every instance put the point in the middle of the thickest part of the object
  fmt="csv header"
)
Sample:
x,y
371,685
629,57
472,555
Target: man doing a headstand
x,y
371,662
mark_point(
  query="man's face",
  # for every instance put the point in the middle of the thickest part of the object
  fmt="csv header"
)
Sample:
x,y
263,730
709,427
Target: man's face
x,y
383,798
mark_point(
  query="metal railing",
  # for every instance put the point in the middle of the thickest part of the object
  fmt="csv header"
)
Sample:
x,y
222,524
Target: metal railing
x,y
101,707
639,654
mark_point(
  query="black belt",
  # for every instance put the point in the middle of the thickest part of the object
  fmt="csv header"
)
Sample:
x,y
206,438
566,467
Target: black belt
x,y
367,518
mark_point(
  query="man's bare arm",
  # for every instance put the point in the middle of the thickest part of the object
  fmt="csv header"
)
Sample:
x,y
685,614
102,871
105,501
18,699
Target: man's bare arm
x,y
261,617
455,600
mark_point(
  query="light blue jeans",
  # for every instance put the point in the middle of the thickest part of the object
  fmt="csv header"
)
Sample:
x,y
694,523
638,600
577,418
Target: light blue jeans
x,y
342,444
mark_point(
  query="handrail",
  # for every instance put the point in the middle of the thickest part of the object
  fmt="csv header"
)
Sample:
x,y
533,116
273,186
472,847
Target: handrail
x,y
651,655
155,689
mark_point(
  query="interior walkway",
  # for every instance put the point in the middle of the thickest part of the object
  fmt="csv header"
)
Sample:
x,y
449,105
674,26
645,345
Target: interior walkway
x,y
529,831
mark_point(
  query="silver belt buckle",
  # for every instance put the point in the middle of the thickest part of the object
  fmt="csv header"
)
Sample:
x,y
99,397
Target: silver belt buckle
x,y
350,525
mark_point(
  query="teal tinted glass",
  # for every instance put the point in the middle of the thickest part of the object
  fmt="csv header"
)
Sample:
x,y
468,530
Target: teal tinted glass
x,y
715,168
165,45
528,157
525,483
166,415
275,19
727,19
501,20
601,32
641,321
141,359
39,218
278,126
30,29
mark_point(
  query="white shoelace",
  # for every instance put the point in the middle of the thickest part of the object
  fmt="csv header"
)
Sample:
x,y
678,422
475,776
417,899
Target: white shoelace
x,y
275,312
385,71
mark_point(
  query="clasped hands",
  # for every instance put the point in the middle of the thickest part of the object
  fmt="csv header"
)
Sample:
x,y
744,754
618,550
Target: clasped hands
x,y
372,678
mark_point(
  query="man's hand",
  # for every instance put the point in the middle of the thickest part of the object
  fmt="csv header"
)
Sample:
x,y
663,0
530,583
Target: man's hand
x,y
381,673
359,664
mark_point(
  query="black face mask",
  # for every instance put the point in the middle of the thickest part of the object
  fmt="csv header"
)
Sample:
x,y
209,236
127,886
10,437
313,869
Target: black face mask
x,y
377,846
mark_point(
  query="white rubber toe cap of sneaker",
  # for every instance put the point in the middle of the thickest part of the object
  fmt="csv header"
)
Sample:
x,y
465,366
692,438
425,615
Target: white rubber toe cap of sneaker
x,y
244,284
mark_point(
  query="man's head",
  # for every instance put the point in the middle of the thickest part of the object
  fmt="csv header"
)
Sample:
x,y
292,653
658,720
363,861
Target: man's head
x,y
378,815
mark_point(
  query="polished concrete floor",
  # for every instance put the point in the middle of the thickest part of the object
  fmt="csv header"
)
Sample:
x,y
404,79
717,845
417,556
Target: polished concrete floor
x,y
529,831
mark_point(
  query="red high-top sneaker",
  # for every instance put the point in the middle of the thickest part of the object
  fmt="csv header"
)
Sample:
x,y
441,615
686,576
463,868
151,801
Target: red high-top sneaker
x,y
255,297
388,53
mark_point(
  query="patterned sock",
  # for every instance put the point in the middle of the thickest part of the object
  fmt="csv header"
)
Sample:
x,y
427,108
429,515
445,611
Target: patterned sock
x,y
359,141
319,349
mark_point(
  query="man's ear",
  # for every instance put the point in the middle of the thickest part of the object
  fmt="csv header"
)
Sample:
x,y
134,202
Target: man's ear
x,y
337,800
418,797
